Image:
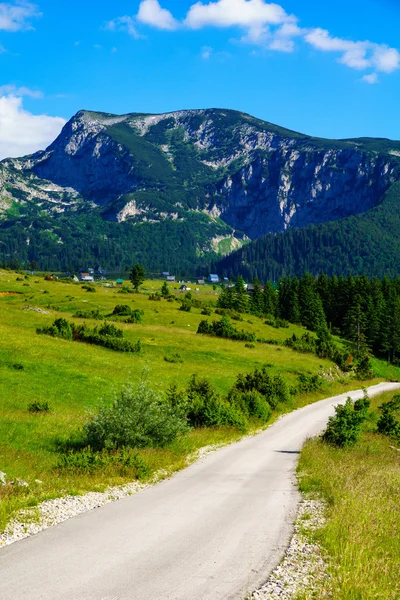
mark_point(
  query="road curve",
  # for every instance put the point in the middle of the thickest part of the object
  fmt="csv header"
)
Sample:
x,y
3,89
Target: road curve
x,y
214,531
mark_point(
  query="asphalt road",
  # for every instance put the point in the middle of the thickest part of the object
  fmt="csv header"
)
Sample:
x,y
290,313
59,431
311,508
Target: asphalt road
x,y
212,532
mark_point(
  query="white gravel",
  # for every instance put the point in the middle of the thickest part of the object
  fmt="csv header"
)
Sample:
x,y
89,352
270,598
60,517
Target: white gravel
x,y
303,570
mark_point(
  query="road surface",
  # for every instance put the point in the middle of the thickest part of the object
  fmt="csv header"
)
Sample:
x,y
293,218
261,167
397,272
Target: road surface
x,y
214,531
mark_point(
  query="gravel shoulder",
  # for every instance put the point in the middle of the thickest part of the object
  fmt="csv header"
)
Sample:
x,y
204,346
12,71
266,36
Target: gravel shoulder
x,y
213,531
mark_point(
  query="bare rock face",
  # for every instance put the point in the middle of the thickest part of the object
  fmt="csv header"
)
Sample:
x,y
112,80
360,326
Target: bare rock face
x,y
255,176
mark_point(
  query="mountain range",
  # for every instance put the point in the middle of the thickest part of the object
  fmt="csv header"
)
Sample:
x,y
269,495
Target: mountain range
x,y
197,189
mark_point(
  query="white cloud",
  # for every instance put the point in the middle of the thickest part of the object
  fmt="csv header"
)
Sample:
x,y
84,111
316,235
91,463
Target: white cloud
x,y
21,132
356,55
264,24
151,13
124,23
372,78
206,52
228,13
17,16
12,90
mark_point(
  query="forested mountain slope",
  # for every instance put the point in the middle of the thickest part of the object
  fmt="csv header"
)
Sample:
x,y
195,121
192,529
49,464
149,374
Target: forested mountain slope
x,y
179,189
368,243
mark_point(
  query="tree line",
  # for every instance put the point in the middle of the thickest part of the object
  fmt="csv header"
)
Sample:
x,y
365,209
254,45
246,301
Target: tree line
x,y
365,311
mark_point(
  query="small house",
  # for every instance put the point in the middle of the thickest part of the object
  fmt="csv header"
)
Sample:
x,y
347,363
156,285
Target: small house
x,y
171,278
165,274
212,278
86,277
119,282
200,282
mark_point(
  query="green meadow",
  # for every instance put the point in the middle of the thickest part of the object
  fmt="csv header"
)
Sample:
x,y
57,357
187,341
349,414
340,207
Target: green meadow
x,y
361,488
76,378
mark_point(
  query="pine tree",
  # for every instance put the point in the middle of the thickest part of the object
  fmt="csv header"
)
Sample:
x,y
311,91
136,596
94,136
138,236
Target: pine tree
x,y
355,327
137,276
241,298
256,299
270,300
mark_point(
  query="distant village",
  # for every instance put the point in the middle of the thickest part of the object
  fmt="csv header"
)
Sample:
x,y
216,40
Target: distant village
x,y
92,274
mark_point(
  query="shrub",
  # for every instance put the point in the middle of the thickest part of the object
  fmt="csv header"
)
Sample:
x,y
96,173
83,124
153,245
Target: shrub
x,y
224,329
136,316
157,297
308,383
344,429
364,369
88,461
251,403
388,424
138,418
273,388
122,309
38,407
174,358
61,328
206,311
205,407
186,305
110,330
94,313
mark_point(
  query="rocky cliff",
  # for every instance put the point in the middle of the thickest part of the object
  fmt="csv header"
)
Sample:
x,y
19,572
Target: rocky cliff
x,y
244,174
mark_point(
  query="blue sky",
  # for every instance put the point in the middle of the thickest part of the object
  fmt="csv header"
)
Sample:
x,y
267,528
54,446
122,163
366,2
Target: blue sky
x,y
330,69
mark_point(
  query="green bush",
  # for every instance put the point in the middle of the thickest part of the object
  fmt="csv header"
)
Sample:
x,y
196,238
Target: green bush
x,y
138,418
61,328
122,309
173,358
344,429
273,388
251,403
124,461
203,407
110,330
388,423
89,314
38,407
186,305
224,329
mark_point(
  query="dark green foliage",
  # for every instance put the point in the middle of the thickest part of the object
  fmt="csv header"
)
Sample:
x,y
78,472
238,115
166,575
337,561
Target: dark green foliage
x,y
365,243
186,305
364,369
124,462
107,335
173,358
273,388
89,314
165,290
122,310
39,406
138,418
207,408
224,329
137,276
389,423
206,311
252,403
344,429
61,328
308,383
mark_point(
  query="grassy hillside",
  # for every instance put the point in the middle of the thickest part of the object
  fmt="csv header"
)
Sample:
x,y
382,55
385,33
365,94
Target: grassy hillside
x,y
74,378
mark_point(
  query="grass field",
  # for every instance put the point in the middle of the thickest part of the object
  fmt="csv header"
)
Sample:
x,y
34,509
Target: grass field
x,y
362,535
76,378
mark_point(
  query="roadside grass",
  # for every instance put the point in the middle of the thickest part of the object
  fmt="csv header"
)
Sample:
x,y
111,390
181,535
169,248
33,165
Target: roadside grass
x,y
362,536
75,379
